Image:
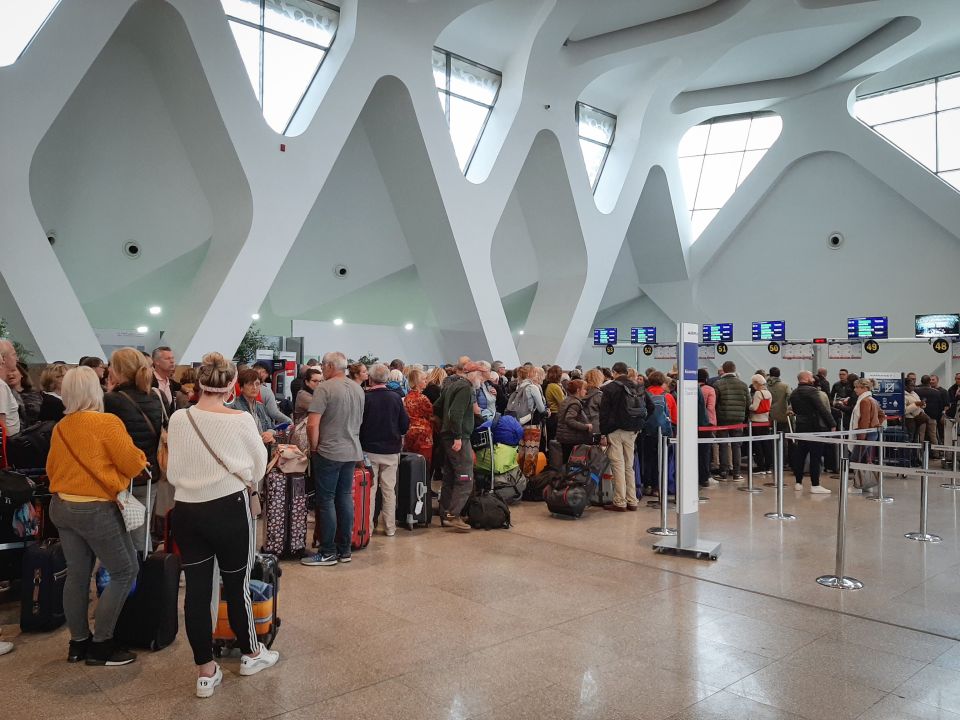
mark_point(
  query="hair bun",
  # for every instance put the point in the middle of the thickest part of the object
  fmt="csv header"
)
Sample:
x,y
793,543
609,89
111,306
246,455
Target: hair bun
x,y
216,371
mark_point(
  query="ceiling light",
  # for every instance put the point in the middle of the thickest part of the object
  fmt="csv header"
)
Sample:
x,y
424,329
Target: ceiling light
x,y
142,329
155,309
338,321
520,333
408,326
255,316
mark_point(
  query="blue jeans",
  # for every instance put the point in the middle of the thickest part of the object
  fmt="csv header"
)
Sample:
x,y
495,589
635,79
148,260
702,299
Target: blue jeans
x,y
334,483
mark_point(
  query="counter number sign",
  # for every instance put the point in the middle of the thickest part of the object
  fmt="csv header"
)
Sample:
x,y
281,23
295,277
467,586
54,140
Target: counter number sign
x,y
871,346
722,348
610,349
940,345
648,350
773,348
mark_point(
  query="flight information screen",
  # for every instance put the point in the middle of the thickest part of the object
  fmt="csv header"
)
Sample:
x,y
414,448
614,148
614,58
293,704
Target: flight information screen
x,y
604,336
720,332
643,335
768,330
866,327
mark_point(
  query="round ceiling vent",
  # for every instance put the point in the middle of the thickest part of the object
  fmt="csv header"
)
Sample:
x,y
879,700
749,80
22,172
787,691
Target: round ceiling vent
x,y
834,240
340,271
131,249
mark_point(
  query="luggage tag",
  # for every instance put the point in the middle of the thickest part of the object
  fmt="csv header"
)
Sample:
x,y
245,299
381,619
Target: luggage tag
x,y
421,494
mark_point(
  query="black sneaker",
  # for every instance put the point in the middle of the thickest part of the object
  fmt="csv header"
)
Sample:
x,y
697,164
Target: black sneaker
x,y
78,650
107,654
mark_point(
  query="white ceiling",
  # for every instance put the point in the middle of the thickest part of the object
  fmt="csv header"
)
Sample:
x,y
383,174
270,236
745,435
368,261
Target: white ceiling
x,y
607,16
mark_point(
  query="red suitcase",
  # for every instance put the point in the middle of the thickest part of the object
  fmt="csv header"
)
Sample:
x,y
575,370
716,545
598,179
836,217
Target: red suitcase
x,y
362,482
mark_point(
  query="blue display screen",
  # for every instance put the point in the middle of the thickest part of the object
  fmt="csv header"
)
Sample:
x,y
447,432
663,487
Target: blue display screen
x,y
866,327
720,332
604,336
768,330
643,335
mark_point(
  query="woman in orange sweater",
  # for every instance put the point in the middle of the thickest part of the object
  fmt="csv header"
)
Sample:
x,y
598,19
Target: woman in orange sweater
x,y
92,459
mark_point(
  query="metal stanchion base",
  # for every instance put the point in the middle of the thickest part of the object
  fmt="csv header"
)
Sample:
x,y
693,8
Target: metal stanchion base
x,y
662,531
780,516
752,491
881,499
924,537
703,550
950,486
840,583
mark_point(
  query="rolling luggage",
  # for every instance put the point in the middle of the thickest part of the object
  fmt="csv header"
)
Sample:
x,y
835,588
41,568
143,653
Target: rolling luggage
x,y
414,508
362,482
485,510
899,457
149,616
538,485
264,592
41,592
285,513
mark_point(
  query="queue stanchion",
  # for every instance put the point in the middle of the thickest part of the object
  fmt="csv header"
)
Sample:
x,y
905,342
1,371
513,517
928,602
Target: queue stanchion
x,y
953,485
662,528
923,535
880,497
779,514
749,488
776,432
839,580
656,503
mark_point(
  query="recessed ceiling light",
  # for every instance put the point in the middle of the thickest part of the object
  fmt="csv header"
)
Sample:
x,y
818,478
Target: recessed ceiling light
x,y
408,326
520,333
142,329
338,321
255,316
155,309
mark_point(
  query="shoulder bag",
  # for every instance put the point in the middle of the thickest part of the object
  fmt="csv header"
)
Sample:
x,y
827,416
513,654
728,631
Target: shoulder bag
x,y
252,495
163,452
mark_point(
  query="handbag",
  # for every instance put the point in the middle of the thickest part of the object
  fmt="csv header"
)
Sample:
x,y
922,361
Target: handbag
x,y
133,512
253,497
299,437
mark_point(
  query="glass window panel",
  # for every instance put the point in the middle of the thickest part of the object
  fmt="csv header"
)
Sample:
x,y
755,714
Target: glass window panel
x,y
718,181
595,125
440,69
466,123
699,219
302,19
948,140
916,137
288,69
443,100
948,93
952,177
248,41
750,160
764,131
694,141
593,157
21,22
896,105
729,136
473,82
248,10
690,168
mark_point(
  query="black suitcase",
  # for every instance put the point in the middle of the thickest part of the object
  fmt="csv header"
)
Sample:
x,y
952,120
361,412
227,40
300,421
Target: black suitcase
x,y
149,616
568,499
485,510
41,592
539,484
899,457
414,507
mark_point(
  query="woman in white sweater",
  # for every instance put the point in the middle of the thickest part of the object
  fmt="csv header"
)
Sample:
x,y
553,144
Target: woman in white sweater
x,y
216,456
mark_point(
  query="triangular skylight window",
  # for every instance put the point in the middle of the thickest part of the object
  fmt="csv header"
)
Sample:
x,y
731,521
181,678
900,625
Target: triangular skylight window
x,y
20,24
923,120
282,43
717,156
595,129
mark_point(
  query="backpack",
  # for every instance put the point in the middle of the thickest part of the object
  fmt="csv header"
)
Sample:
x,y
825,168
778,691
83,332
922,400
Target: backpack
x,y
633,409
659,418
518,407
586,465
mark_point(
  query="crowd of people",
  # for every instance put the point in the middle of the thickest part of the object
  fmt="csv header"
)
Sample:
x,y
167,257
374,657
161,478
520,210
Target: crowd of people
x,y
127,425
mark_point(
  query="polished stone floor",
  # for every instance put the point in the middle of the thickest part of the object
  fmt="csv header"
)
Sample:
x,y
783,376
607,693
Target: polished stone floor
x,y
579,619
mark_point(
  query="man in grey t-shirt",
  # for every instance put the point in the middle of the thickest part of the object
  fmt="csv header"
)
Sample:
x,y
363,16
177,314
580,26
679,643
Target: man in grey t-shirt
x,y
333,428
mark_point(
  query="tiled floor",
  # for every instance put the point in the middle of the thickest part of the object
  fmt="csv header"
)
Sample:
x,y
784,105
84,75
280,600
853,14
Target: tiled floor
x,y
579,619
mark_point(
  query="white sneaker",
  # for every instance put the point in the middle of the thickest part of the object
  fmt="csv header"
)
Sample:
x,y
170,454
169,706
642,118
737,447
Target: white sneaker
x,y
855,491
263,660
5,647
819,490
205,685
798,487
390,533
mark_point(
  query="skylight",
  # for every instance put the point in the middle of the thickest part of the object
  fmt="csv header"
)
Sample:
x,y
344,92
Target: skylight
x,y
596,129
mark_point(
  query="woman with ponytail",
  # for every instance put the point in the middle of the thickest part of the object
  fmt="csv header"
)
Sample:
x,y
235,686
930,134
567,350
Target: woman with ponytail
x,y
133,401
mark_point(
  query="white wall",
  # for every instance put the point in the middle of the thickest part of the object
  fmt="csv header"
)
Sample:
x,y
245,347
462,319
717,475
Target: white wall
x,y
383,341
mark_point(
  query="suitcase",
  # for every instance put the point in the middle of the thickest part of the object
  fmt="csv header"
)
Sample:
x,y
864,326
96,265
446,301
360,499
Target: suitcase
x,y
899,457
567,499
41,591
538,484
362,482
266,569
149,616
413,492
485,510
285,514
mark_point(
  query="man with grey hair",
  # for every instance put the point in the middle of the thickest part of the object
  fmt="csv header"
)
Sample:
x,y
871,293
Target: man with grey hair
x,y
812,409
385,422
333,430
9,409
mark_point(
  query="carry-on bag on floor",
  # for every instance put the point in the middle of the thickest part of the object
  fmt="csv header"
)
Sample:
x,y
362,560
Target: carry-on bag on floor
x,y
538,485
485,510
588,465
567,498
413,492
510,485
149,616
264,591
362,482
285,513
41,591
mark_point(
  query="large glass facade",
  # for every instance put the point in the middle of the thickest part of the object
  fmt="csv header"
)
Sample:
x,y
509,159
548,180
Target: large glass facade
x,y
21,21
468,91
596,129
282,43
923,120
717,156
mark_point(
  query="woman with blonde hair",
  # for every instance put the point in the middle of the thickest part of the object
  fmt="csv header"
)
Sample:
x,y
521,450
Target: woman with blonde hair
x,y
51,407
435,381
139,409
91,460
217,458
419,436
591,402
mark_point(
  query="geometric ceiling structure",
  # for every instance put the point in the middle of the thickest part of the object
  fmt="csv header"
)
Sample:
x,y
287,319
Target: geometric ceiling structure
x,y
21,23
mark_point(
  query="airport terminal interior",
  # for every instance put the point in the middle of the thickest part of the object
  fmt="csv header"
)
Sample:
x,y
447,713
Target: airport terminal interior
x,y
648,186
